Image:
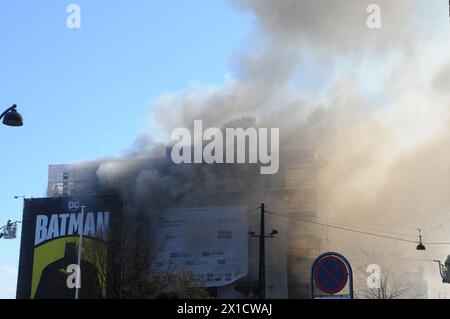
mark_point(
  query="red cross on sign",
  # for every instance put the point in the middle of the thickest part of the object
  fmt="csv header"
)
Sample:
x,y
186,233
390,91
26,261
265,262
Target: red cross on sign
x,y
330,275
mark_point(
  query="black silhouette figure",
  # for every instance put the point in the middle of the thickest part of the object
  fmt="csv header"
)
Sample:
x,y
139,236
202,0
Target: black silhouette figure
x,y
53,283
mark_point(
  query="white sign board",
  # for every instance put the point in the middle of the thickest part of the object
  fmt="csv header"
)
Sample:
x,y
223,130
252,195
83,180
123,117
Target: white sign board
x,y
211,243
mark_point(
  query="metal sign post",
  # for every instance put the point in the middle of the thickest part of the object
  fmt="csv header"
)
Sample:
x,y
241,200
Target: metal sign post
x,y
331,273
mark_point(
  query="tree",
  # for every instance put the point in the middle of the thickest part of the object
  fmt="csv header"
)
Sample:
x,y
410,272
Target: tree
x,y
180,285
396,280
124,265
393,285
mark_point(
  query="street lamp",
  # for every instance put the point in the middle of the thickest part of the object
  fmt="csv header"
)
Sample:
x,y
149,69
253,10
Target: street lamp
x,y
11,117
420,246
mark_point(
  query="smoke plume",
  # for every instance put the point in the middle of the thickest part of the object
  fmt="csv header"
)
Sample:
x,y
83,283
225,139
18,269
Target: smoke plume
x,y
373,103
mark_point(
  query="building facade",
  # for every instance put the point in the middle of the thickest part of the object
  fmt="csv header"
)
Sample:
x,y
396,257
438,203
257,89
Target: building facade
x,y
289,196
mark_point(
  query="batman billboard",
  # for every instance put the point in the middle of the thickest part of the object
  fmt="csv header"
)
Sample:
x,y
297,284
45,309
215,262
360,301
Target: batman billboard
x,y
50,241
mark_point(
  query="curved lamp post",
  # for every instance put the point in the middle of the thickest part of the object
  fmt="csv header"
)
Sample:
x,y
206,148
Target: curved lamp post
x,y
11,117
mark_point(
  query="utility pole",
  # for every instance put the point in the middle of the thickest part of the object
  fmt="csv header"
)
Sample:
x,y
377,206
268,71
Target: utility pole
x,y
80,244
262,253
262,256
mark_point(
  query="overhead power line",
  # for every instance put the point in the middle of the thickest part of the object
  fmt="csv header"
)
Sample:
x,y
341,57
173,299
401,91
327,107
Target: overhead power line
x,y
342,228
438,226
365,228
366,223
436,243
442,214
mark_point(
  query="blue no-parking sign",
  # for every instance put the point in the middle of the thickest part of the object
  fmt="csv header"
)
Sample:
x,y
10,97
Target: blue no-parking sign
x,y
330,273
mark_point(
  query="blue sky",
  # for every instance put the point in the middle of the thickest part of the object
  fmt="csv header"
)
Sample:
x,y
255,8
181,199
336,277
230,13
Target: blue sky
x,y
86,93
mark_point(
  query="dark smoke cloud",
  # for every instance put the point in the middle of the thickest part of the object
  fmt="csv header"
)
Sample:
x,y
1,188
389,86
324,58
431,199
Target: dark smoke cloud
x,y
378,113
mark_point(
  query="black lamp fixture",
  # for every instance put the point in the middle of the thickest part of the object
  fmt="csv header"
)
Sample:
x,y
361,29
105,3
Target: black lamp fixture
x,y
11,117
420,246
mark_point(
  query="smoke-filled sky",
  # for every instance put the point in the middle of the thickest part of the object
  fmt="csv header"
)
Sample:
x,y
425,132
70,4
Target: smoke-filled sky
x,y
376,109
373,103
78,88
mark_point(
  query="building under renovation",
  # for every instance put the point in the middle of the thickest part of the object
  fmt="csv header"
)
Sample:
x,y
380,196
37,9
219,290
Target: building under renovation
x,y
288,195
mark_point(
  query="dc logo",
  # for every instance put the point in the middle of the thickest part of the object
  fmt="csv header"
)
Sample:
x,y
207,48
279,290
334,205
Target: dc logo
x,y
74,205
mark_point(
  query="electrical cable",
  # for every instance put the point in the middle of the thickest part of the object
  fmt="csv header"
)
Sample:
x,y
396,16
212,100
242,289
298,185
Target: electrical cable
x,y
437,227
342,228
368,228
366,223
444,212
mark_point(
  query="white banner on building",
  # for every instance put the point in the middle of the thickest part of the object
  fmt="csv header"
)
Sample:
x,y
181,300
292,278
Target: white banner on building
x,y
211,243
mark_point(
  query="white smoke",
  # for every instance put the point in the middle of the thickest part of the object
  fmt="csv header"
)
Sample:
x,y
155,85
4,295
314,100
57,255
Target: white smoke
x,y
373,102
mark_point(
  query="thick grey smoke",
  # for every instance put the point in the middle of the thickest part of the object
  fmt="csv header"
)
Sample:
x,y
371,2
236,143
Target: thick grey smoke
x,y
373,102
